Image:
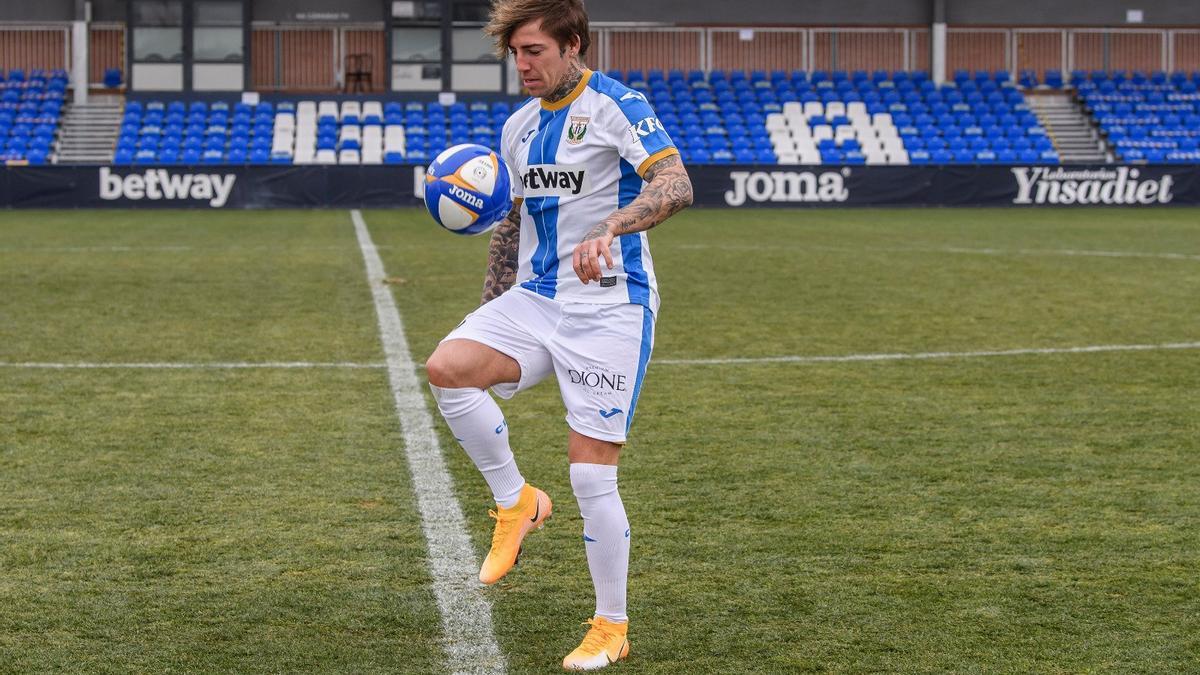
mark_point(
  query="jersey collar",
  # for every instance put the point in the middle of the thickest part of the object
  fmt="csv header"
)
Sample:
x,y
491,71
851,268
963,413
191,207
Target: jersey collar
x,y
569,98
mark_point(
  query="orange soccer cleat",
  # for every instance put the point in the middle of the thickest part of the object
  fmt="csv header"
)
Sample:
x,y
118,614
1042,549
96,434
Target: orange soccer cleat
x,y
606,643
532,509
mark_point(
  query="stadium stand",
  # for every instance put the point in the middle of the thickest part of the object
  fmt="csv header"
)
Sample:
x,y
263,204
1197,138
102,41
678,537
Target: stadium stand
x,y
303,132
716,118
839,117
30,109
1146,117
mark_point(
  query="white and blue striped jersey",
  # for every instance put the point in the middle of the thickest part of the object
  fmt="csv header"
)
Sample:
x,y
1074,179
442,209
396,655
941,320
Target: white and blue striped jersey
x,y
574,162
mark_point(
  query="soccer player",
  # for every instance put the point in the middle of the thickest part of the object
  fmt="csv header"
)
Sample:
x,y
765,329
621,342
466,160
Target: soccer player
x,y
569,290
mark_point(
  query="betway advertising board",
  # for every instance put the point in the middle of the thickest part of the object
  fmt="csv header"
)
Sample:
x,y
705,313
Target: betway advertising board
x,y
758,186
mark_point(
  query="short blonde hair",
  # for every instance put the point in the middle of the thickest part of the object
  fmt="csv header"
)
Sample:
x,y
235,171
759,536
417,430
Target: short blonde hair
x,y
561,20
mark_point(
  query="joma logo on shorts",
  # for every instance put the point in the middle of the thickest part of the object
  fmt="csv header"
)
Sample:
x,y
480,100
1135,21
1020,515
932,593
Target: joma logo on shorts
x,y
597,380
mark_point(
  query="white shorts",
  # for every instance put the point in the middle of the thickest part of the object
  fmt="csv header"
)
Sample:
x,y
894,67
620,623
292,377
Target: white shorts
x,y
597,352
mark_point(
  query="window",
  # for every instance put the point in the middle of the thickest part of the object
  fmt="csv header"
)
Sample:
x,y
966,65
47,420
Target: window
x,y
416,9
158,45
472,44
217,35
472,10
218,13
158,13
158,31
217,44
416,44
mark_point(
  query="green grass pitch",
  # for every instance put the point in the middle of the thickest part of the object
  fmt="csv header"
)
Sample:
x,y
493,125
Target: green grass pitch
x,y
1019,513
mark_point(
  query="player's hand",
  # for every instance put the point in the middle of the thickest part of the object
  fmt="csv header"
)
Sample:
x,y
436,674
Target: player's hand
x,y
586,259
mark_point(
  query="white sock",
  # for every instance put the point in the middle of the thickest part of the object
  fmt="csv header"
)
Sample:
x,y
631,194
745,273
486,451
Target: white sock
x,y
605,535
480,427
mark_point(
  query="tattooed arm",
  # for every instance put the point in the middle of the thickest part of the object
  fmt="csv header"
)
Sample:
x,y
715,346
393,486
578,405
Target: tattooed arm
x,y
669,190
502,255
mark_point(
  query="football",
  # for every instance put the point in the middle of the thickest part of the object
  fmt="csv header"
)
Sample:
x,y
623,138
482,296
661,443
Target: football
x,y
468,189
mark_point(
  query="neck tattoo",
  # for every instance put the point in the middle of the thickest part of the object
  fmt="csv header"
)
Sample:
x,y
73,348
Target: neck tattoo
x,y
570,80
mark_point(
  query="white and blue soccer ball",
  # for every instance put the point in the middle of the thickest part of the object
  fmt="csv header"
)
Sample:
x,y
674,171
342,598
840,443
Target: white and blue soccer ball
x,y
468,189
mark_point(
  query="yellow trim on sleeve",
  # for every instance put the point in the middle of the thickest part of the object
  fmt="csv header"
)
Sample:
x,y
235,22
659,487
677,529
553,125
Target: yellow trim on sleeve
x,y
665,152
566,100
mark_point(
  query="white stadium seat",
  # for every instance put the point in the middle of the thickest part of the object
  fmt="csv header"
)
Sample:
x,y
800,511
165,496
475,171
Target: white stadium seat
x,y
787,147
306,109
348,157
793,109
822,132
372,156
843,133
776,121
813,108
881,118
800,122
788,157
804,131
835,109
898,158
327,108
304,155
806,145
856,109
810,157
351,108
372,108
325,157
350,132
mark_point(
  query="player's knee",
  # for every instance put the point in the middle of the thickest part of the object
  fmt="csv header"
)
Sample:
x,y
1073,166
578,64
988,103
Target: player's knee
x,y
441,370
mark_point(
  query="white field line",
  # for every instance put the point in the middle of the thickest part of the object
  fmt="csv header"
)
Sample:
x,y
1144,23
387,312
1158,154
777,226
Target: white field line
x,y
917,356
948,249
844,358
215,365
92,249
469,638
1065,252
159,249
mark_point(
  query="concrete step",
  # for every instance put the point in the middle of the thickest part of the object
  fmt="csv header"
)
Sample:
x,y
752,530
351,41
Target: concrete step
x,y
89,132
